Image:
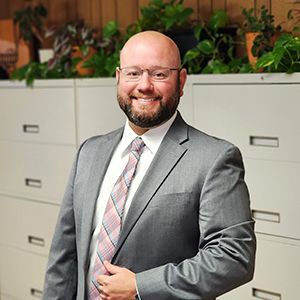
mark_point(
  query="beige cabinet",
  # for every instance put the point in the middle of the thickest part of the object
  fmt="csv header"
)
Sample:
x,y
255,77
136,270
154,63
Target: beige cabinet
x,y
277,271
45,113
22,273
41,127
260,114
40,130
37,147
30,223
98,111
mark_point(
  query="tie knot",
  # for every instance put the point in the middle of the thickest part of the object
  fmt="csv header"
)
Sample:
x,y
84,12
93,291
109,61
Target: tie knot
x,y
137,145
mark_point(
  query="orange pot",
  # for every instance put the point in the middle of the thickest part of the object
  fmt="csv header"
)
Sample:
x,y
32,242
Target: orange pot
x,y
79,68
250,37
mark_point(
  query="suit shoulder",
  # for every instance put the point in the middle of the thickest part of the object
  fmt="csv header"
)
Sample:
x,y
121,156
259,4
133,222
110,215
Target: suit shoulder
x,y
97,140
208,141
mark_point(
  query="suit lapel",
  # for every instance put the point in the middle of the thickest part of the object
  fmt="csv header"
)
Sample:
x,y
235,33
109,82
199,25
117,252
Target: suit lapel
x,y
102,157
168,155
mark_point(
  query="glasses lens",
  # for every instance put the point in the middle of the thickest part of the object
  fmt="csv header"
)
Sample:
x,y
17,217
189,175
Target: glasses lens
x,y
160,74
135,73
132,74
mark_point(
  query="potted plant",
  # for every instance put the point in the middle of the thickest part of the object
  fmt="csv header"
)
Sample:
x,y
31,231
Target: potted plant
x,y
73,43
170,17
260,32
30,24
284,57
215,50
105,61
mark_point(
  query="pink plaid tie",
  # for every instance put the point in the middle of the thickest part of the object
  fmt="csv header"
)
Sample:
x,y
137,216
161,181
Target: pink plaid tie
x,y
112,219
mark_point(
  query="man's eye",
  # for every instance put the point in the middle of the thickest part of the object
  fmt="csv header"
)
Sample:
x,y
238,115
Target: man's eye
x,y
133,73
159,75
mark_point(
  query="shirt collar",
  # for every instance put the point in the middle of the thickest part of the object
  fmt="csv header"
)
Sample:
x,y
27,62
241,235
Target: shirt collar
x,y
152,138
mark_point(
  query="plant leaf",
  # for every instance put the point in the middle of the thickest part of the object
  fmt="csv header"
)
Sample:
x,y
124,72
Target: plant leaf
x,y
206,46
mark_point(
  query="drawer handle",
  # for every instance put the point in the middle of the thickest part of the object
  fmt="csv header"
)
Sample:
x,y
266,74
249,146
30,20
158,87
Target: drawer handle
x,y
36,241
266,295
36,183
36,293
266,216
264,141
31,128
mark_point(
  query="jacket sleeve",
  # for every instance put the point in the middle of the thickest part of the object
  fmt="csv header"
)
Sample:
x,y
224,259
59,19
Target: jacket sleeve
x,y
227,242
61,274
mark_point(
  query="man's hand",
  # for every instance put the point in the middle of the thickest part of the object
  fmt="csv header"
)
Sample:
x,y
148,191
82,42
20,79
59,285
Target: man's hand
x,y
120,285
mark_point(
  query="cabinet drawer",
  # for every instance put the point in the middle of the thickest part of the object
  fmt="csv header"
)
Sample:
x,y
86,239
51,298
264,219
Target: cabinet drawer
x,y
36,171
34,227
41,114
21,274
277,272
274,191
5,297
98,111
261,119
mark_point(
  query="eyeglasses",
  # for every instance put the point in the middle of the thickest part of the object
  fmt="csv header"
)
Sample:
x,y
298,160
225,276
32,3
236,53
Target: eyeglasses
x,y
156,74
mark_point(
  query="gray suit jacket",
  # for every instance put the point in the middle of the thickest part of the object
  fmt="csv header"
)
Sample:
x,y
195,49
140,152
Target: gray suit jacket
x,y
188,233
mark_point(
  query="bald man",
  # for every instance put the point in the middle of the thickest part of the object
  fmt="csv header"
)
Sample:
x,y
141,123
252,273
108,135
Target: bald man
x,y
156,209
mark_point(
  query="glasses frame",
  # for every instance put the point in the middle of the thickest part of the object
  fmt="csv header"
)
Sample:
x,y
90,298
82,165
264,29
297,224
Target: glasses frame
x,y
149,71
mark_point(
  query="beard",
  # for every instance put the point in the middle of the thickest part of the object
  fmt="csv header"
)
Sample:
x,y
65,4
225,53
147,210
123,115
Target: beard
x,y
165,112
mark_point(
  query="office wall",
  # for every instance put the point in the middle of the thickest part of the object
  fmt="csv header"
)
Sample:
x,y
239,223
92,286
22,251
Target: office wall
x,y
98,12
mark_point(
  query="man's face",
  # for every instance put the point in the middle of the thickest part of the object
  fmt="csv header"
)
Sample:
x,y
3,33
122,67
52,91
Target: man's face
x,y
146,102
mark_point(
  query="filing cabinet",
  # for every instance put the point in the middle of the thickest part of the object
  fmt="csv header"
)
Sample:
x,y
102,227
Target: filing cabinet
x,y
260,114
277,271
41,128
37,147
98,111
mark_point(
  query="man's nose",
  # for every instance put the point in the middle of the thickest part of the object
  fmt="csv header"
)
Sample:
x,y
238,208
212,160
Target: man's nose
x,y
145,83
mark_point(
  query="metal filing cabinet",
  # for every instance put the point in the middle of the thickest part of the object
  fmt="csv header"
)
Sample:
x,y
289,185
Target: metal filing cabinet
x,y
37,147
260,114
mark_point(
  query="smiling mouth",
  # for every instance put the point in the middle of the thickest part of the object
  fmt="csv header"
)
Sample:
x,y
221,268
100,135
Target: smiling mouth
x,y
145,99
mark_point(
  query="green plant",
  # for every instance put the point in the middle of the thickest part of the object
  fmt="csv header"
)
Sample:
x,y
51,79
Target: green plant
x,y
214,52
264,25
164,16
30,22
284,57
72,34
105,61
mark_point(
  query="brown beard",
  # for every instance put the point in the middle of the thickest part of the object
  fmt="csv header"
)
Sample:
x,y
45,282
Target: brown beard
x,y
166,111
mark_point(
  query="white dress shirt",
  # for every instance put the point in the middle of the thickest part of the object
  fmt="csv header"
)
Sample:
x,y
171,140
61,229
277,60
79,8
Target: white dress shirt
x,y
152,139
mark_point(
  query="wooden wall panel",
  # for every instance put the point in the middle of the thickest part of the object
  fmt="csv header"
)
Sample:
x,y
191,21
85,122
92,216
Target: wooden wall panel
x,y
259,3
218,4
84,10
127,13
281,11
98,12
234,9
14,5
194,4
4,10
205,9
57,12
109,11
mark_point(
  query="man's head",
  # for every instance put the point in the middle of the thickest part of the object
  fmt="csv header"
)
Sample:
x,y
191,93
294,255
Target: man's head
x,y
150,80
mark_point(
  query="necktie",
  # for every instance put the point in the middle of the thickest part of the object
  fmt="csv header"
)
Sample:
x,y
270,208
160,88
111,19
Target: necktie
x,y
112,219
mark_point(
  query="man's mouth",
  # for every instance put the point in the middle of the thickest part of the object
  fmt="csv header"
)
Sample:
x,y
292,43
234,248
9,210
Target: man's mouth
x,y
145,99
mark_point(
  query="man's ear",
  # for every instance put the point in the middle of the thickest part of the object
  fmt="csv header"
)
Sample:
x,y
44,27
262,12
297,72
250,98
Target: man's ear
x,y
182,80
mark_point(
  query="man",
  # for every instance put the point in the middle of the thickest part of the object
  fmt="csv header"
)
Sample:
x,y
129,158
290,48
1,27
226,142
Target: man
x,y
183,230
